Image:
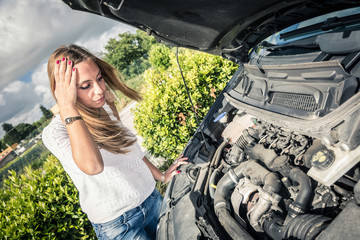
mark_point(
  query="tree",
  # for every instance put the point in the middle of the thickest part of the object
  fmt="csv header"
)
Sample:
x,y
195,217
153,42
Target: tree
x,y
7,127
48,114
12,135
24,129
129,52
17,133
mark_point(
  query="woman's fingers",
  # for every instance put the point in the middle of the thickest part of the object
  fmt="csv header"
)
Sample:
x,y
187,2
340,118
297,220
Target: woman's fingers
x,y
56,76
172,170
68,71
65,82
62,69
179,161
73,78
56,70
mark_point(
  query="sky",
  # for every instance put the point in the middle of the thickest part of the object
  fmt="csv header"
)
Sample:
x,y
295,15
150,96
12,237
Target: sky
x,y
29,32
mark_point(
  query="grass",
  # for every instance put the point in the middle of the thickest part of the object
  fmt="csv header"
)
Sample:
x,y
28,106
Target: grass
x,y
34,157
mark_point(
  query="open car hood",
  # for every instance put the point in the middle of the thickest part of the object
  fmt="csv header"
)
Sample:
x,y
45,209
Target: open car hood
x,y
228,28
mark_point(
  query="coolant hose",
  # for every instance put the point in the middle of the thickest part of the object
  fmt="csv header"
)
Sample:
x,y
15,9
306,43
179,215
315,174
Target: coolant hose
x,y
222,208
214,164
217,156
213,181
300,204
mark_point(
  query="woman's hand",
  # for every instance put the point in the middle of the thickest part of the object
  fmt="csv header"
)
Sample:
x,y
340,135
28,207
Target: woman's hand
x,y
172,170
65,84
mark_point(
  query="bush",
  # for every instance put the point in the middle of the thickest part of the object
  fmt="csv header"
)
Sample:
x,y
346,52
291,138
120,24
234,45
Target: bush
x,y
159,56
165,118
42,204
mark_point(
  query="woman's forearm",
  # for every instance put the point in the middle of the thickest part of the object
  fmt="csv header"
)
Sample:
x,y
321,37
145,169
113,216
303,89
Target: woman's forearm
x,y
154,170
85,151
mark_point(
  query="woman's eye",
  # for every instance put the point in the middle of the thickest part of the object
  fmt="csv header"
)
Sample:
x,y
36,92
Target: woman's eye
x,y
100,79
85,86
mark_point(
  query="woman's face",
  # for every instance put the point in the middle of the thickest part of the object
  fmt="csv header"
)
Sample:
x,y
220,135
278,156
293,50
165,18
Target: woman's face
x,y
90,84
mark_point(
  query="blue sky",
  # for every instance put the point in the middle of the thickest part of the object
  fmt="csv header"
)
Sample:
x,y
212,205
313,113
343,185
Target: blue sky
x,y
29,32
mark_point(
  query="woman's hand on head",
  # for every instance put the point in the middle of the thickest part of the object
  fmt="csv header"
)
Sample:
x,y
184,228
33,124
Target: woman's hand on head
x,y
65,83
172,170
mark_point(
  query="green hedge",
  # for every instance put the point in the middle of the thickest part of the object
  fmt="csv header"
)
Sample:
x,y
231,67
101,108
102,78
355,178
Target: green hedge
x,y
42,204
165,118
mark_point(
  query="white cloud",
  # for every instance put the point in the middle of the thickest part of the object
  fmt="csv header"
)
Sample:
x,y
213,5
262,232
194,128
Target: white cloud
x,y
18,97
22,102
30,32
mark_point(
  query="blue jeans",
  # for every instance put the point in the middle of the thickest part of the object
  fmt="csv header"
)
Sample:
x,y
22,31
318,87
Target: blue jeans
x,y
137,223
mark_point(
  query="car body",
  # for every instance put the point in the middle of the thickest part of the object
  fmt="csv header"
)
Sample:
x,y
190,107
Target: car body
x,y
277,156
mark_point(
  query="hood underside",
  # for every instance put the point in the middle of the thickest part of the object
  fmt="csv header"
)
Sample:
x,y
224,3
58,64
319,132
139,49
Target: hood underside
x,y
229,28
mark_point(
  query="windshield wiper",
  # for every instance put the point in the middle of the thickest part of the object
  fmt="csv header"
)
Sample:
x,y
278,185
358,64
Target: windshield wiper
x,y
329,24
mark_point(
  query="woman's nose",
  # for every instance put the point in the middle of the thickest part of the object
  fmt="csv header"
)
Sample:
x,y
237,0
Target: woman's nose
x,y
98,89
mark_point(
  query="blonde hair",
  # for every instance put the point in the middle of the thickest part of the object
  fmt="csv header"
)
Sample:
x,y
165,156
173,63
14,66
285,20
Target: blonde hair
x,y
108,134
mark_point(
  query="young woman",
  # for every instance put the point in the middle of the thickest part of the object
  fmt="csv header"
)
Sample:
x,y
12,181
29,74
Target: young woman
x,y
115,180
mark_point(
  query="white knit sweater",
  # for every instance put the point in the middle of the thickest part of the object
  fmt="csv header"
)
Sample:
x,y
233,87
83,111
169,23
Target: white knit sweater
x,y
125,182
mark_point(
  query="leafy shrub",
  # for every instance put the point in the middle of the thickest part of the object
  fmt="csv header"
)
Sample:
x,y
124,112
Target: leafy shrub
x,y
42,204
159,56
165,118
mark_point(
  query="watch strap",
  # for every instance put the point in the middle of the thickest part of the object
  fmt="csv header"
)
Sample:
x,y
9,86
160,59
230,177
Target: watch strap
x,y
70,120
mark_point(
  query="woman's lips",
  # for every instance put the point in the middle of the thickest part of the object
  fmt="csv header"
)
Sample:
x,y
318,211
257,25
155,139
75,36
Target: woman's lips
x,y
100,100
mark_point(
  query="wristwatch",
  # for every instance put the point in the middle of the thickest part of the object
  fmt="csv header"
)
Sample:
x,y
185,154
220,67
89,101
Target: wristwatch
x,y
70,120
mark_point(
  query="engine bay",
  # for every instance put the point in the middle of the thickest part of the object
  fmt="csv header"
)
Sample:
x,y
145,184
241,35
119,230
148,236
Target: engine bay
x,y
260,184
261,180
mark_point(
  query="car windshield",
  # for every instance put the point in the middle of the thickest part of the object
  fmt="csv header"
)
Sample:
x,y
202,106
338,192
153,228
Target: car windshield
x,y
315,26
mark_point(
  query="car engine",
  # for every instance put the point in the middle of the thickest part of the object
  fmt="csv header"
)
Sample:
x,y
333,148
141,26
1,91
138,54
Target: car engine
x,y
260,182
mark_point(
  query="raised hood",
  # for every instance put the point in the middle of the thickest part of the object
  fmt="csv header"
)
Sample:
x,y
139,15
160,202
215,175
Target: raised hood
x,y
229,27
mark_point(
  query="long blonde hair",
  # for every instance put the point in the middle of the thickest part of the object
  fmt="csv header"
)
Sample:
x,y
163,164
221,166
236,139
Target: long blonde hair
x,y
108,134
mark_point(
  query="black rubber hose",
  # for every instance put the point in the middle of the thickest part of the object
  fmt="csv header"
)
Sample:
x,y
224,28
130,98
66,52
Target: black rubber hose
x,y
302,199
222,208
272,183
213,182
233,228
303,227
273,228
224,186
214,164
217,155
